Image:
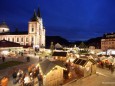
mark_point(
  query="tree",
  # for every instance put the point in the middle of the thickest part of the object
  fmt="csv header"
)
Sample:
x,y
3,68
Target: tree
x,y
58,46
52,47
82,45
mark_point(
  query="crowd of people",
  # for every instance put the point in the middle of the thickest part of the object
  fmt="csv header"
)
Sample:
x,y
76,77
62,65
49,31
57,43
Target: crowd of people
x,y
4,81
24,78
106,64
27,79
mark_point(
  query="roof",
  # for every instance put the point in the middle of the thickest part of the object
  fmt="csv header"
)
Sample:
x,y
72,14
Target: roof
x,y
15,33
48,65
83,62
93,61
110,33
64,54
94,56
35,17
38,13
19,33
80,61
5,43
3,25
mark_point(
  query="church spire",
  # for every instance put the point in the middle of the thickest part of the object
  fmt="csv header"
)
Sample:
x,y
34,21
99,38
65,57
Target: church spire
x,y
34,18
38,13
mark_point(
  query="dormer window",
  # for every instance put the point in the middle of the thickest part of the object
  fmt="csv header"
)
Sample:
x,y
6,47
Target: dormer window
x,y
13,39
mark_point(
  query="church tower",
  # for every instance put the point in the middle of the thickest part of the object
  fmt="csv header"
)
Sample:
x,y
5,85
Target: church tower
x,y
36,30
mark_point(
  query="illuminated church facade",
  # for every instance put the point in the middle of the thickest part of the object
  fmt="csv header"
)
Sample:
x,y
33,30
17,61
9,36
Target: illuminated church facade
x,y
35,36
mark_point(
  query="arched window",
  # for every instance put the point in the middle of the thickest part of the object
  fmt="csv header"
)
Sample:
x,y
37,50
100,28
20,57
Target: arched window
x,y
21,39
26,39
32,29
8,39
32,41
17,39
3,30
12,39
2,38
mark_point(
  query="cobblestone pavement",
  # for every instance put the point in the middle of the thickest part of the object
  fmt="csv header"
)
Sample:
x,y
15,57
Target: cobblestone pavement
x,y
8,72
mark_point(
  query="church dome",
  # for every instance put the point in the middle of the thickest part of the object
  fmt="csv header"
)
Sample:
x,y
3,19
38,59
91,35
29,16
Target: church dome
x,y
4,28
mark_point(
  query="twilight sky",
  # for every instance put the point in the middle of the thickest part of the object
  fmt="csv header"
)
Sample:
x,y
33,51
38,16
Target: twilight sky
x,y
71,19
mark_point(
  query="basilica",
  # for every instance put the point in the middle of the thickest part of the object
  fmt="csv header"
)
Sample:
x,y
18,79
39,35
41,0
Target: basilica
x,y
35,36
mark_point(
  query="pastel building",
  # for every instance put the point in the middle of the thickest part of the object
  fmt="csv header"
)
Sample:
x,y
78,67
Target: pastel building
x,y
35,36
108,41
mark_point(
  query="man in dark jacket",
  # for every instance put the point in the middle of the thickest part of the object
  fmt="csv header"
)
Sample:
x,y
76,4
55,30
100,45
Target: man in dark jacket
x,y
14,75
3,59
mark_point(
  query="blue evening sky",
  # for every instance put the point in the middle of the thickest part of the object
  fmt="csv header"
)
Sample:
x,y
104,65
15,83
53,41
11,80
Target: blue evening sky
x,y
71,19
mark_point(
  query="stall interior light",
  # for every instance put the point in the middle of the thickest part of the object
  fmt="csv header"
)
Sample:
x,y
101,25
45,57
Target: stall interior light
x,y
5,52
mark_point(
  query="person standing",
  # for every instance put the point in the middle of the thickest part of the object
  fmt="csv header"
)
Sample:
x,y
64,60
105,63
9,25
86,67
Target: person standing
x,y
27,80
28,59
4,81
3,59
40,80
14,75
110,66
102,64
112,69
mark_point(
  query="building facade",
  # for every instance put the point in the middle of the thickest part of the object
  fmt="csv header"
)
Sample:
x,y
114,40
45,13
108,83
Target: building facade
x,y
35,36
108,41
